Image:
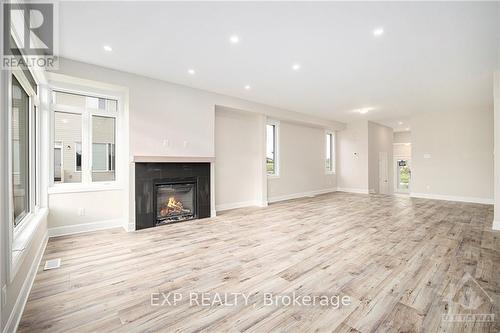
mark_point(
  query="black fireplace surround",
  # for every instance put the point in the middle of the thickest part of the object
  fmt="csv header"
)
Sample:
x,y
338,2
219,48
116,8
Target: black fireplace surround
x,y
171,192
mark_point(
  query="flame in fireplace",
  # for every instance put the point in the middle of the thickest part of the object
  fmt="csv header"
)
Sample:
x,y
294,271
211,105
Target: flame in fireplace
x,y
172,206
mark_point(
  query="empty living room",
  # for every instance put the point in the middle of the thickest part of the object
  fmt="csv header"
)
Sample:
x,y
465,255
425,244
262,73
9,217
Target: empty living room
x,y
241,166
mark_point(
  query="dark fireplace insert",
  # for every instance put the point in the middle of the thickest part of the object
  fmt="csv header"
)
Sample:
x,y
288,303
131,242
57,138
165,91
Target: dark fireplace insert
x,y
175,201
167,193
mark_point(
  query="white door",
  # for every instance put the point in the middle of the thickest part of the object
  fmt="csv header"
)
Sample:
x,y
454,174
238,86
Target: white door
x,y
383,174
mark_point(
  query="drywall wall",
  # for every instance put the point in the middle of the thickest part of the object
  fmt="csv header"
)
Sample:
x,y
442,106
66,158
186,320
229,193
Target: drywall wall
x,y
239,159
352,161
402,137
78,208
452,155
380,139
301,163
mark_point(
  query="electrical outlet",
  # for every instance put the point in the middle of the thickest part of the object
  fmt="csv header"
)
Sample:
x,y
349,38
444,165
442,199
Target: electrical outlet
x,y
81,211
166,143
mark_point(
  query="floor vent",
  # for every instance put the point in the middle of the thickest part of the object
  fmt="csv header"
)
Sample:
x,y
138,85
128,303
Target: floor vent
x,y
52,264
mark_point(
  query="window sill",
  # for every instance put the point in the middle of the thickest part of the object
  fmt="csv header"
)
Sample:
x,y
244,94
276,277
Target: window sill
x,y
329,172
23,235
71,188
273,176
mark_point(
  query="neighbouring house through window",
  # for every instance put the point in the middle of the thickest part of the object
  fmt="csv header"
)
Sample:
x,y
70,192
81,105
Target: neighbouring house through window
x,y
84,138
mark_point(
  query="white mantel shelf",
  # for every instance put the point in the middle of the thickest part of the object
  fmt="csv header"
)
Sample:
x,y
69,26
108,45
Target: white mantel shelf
x,y
173,159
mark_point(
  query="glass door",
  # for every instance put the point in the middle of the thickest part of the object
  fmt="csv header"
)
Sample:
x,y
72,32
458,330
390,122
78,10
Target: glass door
x,y
403,174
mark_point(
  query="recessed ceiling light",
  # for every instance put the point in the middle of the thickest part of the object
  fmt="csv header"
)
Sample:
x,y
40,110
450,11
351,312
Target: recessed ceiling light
x,y
247,87
235,39
107,48
400,123
191,71
363,110
378,32
296,67
407,129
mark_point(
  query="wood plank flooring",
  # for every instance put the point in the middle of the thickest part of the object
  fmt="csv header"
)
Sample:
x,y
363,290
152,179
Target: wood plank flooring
x,y
404,263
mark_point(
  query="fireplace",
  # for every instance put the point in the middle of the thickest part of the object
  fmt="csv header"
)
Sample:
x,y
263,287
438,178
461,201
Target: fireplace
x,y
167,193
175,201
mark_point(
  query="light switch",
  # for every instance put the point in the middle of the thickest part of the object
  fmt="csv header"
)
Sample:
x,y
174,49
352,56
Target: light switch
x,y
427,156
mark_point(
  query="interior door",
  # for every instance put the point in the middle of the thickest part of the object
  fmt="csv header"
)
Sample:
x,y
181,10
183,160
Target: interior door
x,y
383,173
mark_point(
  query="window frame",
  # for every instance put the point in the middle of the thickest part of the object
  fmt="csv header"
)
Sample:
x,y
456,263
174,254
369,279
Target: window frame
x,y
276,124
33,152
87,113
330,135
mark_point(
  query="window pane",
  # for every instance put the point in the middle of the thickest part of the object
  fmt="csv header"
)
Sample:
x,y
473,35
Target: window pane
x,y
101,104
69,99
20,151
103,148
67,136
329,152
270,149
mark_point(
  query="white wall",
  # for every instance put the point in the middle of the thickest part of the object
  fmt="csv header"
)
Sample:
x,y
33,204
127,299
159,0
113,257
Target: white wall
x,y
239,159
402,137
301,163
352,161
459,145
380,139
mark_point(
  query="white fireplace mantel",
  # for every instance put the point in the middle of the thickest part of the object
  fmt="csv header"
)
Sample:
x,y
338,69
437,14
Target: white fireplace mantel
x,y
173,159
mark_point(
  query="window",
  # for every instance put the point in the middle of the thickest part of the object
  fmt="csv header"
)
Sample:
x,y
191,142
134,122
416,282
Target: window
x,y
68,136
330,153
103,148
272,149
21,161
85,128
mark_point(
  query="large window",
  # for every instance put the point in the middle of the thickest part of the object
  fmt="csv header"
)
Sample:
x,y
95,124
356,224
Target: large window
x,y
21,161
330,153
272,158
84,138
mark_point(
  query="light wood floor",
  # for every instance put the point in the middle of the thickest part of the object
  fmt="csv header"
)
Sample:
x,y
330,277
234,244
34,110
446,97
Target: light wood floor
x,y
397,258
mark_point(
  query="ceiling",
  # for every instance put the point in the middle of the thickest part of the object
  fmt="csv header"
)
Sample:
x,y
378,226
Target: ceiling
x,y
431,56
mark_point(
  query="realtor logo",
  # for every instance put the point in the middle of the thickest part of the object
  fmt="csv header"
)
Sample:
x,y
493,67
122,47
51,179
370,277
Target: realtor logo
x,y
473,302
29,32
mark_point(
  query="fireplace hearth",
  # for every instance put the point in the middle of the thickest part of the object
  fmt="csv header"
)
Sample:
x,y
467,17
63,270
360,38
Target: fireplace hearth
x,y
168,193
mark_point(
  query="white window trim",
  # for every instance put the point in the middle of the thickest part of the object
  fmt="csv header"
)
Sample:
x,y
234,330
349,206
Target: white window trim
x,y
94,91
20,236
332,152
277,164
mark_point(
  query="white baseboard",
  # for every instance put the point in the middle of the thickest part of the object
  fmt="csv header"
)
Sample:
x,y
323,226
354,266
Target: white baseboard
x,y
234,205
496,225
86,227
15,316
300,195
485,201
353,190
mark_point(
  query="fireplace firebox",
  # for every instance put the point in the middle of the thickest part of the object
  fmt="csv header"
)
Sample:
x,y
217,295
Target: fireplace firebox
x,y
175,201
167,193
